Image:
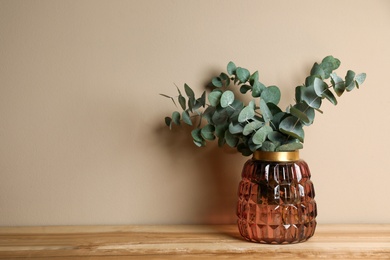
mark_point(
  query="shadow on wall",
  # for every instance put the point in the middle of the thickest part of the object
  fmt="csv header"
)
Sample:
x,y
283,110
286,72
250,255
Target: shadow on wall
x,y
218,171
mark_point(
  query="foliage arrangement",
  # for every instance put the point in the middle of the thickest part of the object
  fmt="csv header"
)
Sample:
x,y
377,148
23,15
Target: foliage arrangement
x,y
260,124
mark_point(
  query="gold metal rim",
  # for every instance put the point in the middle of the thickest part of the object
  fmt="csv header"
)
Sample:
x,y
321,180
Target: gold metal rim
x,y
276,156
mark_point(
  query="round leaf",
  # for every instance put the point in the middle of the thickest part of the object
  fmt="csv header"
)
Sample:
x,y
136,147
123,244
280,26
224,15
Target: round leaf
x,y
186,118
217,82
207,132
176,117
227,98
242,74
292,126
214,97
271,94
246,114
261,134
231,68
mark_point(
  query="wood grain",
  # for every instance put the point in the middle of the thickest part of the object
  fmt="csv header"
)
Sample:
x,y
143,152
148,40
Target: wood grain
x,y
187,242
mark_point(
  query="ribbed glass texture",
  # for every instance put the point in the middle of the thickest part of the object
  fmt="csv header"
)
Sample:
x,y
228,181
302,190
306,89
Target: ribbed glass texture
x,y
276,202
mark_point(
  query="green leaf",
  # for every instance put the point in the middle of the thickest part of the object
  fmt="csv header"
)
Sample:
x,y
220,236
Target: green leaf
x,y
277,118
221,129
207,132
257,89
202,99
189,92
219,117
290,147
252,126
276,138
182,102
310,97
254,78
243,149
200,144
245,88
217,82
298,93
235,128
271,94
317,71
196,135
168,121
227,98
309,112
186,118
225,79
299,114
176,117
322,90
274,108
329,64
246,114
215,97
242,74
268,146
265,111
231,68
208,113
350,80
338,84
231,140
261,134
292,126
360,78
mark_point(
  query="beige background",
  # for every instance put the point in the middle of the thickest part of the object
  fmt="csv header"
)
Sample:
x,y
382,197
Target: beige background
x,y
82,138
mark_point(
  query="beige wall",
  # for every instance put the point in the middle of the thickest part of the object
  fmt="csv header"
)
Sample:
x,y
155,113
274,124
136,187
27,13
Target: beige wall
x,y
82,138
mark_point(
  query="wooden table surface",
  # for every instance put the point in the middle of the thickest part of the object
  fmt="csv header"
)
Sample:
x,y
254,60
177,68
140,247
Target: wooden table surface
x,y
188,242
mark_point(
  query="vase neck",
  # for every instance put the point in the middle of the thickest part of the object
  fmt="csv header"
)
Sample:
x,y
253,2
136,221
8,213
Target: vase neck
x,y
290,156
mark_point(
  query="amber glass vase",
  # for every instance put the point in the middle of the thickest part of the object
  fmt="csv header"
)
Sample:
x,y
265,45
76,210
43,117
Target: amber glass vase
x,y
276,199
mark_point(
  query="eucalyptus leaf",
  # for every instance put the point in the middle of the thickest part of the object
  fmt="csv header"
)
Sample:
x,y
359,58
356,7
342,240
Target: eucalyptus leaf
x,y
242,74
276,138
227,98
292,126
360,78
245,88
231,140
200,144
310,97
186,118
196,135
246,114
299,114
350,80
261,134
309,112
252,126
268,146
338,84
254,78
258,87
215,97
207,132
271,94
225,79
317,71
231,68
290,147
190,93
235,128
217,82
182,102
329,64
176,117
168,121
265,111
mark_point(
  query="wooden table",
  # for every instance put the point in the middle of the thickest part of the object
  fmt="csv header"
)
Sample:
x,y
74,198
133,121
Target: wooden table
x,y
187,242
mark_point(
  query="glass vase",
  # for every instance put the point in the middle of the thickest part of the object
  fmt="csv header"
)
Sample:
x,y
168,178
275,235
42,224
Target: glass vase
x,y
276,199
